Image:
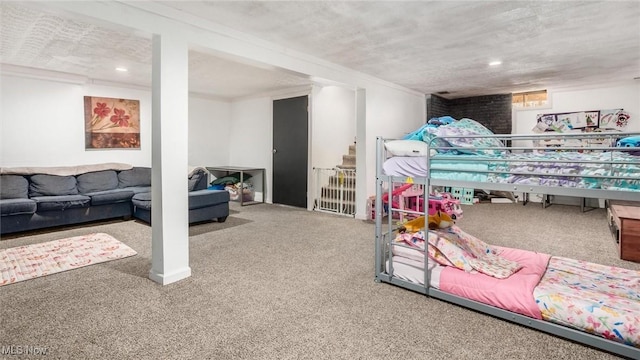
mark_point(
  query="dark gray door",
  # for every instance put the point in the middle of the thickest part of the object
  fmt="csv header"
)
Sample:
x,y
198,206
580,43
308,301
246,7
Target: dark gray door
x,y
290,151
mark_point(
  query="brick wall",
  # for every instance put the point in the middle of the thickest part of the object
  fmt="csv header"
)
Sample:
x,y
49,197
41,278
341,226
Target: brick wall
x,y
492,111
438,106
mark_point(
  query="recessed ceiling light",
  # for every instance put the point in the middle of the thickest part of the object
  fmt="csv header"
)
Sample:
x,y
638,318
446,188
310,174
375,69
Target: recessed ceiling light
x,y
495,63
122,69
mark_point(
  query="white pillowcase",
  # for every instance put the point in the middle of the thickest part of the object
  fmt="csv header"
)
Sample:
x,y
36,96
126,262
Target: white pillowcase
x,y
407,148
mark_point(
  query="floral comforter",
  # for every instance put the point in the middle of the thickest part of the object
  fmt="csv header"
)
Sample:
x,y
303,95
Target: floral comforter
x,y
570,169
602,300
610,170
456,248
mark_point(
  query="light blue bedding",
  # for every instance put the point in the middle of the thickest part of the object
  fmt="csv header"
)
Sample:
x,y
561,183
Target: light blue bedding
x,y
468,152
552,168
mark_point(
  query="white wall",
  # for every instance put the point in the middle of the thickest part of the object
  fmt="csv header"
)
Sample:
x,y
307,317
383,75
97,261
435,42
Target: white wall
x,y
333,125
390,114
42,124
625,96
250,139
250,136
210,123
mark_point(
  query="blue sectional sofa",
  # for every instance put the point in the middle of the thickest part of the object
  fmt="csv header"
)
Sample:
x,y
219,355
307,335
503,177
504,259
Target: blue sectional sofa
x,y
36,198
204,205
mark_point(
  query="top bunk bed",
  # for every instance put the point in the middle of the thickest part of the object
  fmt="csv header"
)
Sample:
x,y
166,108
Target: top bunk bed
x,y
603,165
467,155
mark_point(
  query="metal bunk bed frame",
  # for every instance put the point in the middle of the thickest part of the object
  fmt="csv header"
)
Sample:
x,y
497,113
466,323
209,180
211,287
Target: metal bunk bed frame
x,y
384,239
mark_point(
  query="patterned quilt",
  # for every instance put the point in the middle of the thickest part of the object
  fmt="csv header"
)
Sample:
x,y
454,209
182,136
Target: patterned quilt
x,y
570,169
602,300
613,170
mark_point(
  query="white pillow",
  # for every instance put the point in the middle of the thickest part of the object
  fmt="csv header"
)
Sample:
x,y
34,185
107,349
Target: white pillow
x,y
407,148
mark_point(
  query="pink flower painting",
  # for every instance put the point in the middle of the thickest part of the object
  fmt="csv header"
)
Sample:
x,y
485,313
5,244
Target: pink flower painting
x,y
111,123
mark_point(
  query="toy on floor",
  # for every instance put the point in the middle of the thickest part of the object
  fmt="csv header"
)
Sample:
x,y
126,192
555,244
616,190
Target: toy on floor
x,y
445,203
410,197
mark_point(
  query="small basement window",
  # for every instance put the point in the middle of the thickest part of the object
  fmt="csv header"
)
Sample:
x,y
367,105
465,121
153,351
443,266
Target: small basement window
x,y
529,99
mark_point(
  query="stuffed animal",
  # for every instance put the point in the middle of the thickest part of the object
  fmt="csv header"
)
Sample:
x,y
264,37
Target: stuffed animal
x,y
630,142
440,220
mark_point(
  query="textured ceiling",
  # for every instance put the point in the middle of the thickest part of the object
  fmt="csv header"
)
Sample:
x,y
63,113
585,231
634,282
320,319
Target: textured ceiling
x,y
48,40
428,46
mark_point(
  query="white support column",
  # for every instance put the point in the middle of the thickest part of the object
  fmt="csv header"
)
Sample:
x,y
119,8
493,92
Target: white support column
x,y
361,154
169,164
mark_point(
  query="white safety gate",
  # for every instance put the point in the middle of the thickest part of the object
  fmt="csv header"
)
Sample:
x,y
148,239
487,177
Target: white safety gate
x,y
335,191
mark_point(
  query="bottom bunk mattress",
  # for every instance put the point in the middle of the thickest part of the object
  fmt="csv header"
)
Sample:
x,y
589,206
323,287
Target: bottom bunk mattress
x,y
413,271
598,299
601,300
512,293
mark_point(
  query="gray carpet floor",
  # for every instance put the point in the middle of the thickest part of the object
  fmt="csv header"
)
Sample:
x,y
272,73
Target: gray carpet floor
x,y
276,282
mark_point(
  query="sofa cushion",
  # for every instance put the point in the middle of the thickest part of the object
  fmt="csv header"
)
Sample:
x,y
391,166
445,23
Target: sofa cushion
x,y
138,176
138,189
62,202
197,199
17,206
110,196
97,181
142,200
52,185
14,187
203,198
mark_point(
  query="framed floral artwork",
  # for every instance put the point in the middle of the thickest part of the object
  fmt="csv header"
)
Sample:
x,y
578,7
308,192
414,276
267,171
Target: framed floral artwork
x,y
111,123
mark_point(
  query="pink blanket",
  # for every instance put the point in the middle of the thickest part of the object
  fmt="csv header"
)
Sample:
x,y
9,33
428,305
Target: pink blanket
x,y
514,293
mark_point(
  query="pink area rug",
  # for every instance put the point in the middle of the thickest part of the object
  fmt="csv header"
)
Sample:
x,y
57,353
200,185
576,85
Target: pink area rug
x,y
32,261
